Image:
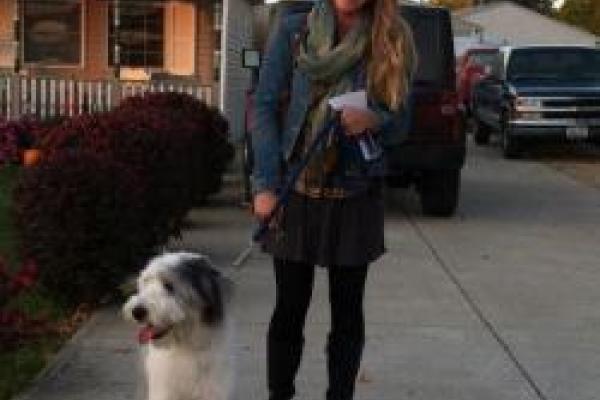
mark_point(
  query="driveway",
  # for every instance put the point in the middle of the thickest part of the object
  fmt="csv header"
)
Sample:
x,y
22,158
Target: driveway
x,y
500,302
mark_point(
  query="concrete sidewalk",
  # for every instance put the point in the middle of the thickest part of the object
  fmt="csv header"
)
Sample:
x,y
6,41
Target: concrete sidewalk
x,y
422,340
436,306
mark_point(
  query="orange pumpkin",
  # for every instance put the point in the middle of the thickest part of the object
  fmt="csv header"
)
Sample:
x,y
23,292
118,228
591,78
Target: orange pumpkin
x,y
31,157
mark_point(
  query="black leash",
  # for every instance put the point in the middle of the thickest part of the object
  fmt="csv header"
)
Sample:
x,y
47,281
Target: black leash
x,y
285,192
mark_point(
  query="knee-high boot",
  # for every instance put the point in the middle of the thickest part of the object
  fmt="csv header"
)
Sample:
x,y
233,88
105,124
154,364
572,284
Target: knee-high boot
x,y
283,361
343,363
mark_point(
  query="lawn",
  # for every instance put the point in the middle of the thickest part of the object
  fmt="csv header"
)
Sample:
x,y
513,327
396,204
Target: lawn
x,y
8,243
18,367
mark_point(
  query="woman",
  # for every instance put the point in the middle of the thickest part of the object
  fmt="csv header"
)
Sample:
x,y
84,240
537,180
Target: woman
x,y
334,218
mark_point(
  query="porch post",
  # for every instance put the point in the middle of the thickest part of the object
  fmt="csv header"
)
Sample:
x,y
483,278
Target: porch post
x,y
117,47
224,47
17,37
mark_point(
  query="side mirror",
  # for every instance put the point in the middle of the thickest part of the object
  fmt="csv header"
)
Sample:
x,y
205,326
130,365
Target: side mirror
x,y
250,58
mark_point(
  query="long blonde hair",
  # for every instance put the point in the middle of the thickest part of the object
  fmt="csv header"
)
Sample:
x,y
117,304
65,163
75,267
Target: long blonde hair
x,y
393,58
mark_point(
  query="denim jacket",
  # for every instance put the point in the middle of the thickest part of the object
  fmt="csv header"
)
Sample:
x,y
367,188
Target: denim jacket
x,y
272,143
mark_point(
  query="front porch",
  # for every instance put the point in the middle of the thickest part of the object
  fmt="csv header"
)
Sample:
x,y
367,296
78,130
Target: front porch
x,y
70,56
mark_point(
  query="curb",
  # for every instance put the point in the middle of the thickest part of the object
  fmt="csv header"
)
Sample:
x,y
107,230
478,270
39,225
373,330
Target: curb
x,y
59,360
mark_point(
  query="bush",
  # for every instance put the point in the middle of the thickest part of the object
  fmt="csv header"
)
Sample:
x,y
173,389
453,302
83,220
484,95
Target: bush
x,y
76,215
16,136
141,143
26,133
111,187
204,129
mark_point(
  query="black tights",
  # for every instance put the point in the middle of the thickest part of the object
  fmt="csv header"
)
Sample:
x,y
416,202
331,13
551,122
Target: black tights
x,y
345,342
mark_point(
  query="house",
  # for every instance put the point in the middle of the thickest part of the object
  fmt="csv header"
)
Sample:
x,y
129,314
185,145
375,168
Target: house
x,y
505,22
68,56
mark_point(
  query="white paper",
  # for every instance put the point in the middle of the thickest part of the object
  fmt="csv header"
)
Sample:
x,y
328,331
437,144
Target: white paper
x,y
351,99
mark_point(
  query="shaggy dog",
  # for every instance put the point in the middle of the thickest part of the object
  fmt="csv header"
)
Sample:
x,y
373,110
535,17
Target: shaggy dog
x,y
181,308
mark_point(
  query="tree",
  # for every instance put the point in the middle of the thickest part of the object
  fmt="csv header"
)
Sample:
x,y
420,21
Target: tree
x,y
582,13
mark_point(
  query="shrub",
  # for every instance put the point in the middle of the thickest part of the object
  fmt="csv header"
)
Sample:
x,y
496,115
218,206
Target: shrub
x,y
111,187
141,143
16,136
76,216
202,125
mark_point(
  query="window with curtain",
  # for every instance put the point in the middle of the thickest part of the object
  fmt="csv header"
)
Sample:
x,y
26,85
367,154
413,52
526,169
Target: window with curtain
x,y
52,31
141,36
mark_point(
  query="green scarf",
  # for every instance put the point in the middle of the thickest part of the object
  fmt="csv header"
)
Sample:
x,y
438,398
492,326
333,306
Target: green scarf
x,y
326,64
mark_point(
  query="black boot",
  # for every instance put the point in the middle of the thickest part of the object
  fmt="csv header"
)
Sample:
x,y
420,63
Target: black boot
x,y
283,361
343,363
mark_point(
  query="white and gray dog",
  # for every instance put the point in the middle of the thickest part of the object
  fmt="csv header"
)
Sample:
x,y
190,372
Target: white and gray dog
x,y
181,308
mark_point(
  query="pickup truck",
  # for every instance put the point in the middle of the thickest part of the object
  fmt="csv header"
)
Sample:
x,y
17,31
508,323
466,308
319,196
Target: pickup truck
x,y
433,154
539,93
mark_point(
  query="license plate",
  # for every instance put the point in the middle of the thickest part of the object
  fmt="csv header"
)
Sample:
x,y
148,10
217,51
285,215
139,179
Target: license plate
x,y
578,132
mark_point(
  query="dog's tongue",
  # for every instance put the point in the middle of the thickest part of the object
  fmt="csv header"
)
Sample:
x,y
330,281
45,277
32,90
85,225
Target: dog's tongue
x,y
145,334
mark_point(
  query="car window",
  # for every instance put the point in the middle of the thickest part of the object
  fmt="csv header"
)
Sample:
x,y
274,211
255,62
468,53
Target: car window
x,y
432,45
554,63
483,58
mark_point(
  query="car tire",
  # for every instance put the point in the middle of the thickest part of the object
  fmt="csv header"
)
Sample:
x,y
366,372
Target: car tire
x,y
439,192
481,132
395,181
510,145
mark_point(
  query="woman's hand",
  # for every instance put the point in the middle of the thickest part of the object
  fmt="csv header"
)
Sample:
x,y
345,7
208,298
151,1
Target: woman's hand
x,y
357,121
264,203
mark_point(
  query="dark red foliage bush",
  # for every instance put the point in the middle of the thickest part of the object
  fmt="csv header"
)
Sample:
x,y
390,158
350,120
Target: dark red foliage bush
x,y
142,143
16,136
111,187
77,216
202,125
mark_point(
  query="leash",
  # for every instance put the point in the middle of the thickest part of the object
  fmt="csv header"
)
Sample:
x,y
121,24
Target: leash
x,y
285,192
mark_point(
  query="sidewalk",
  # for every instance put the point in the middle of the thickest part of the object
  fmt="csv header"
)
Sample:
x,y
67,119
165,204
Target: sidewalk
x,y
423,340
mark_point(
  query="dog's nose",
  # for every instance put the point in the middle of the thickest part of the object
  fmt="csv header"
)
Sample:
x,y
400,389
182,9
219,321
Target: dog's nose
x,y
139,313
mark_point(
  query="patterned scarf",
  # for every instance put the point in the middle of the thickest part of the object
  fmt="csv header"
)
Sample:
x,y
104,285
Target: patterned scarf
x,y
330,67
327,64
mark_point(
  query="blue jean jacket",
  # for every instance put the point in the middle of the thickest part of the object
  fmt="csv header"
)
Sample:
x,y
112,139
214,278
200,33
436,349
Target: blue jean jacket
x,y
272,143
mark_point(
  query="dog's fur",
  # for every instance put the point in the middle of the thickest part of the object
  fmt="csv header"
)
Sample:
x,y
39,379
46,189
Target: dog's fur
x,y
181,303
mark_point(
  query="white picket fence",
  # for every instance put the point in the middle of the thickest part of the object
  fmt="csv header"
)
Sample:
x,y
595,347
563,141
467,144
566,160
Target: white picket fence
x,y
54,97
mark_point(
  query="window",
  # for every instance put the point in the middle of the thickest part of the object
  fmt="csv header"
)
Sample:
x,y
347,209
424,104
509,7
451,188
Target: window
x,y
141,36
52,31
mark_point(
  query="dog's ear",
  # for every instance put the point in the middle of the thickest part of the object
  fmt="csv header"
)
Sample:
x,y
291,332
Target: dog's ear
x,y
206,281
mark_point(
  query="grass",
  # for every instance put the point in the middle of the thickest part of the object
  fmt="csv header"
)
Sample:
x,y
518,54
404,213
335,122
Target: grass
x,y
8,241
18,367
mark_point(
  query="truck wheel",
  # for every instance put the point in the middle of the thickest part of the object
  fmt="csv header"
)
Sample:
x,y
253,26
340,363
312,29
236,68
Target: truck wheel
x,y
394,181
439,192
510,146
481,132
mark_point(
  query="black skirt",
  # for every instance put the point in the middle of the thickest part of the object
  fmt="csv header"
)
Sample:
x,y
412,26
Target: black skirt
x,y
328,231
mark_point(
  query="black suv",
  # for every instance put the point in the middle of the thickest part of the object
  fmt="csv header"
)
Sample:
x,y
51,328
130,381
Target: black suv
x,y
433,154
539,93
